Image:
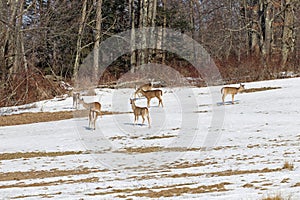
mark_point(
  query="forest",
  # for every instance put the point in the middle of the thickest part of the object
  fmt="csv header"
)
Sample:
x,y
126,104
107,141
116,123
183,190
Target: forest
x,y
43,42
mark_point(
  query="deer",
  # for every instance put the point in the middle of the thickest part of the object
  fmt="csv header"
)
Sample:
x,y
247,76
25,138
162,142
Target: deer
x,y
93,115
96,106
139,111
94,111
231,90
76,97
144,87
149,94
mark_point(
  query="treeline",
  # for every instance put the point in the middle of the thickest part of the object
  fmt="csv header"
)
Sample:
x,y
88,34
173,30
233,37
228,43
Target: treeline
x,y
248,39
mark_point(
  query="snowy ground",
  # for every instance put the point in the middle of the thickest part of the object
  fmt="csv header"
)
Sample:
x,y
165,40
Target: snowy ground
x,y
247,143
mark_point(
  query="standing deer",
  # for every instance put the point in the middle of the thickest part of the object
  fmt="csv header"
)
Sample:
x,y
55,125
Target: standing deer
x,y
151,94
139,111
231,90
144,87
76,96
91,106
94,111
93,114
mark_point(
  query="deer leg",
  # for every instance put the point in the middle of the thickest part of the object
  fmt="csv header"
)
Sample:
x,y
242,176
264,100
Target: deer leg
x,y
148,118
232,98
95,119
223,98
143,119
160,102
135,119
148,103
90,119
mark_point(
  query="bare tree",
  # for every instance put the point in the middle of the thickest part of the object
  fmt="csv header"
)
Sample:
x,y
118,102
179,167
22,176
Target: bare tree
x,y
288,37
79,38
97,36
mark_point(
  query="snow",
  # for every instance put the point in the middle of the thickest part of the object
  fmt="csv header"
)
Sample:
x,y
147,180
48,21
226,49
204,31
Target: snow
x,y
254,138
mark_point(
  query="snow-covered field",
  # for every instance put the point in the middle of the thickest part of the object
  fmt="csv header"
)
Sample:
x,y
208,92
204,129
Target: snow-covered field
x,y
196,148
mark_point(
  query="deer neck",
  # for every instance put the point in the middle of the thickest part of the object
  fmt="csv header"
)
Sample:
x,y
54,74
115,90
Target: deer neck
x,y
133,106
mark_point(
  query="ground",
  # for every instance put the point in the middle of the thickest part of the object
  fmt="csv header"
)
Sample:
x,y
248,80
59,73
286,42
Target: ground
x,y
196,148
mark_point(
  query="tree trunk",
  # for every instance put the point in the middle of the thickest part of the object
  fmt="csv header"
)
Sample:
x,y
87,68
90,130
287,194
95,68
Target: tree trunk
x,y
10,39
288,40
152,37
97,40
132,37
78,45
266,50
255,40
192,26
144,20
3,71
164,31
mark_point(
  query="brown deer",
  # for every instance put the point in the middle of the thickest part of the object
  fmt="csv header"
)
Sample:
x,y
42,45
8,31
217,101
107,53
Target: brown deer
x,y
144,87
151,94
94,111
93,115
139,111
96,106
231,90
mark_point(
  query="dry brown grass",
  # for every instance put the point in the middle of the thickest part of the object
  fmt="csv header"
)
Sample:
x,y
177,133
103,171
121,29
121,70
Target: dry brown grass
x,y
223,173
276,197
28,118
58,182
17,155
285,180
165,191
248,185
156,149
249,90
297,185
183,190
288,165
37,195
9,176
188,165
158,137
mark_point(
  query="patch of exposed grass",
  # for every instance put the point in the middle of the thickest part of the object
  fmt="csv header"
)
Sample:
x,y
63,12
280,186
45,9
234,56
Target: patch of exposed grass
x,y
275,197
177,191
59,182
17,155
224,147
248,185
188,165
29,118
117,138
250,146
223,173
285,180
249,90
288,165
158,137
201,111
9,176
155,149
297,185
165,191
37,195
